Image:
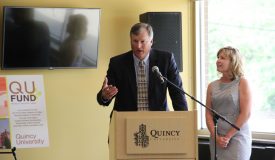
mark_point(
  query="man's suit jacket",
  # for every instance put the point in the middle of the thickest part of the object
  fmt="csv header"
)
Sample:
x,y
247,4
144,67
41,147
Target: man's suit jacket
x,y
121,73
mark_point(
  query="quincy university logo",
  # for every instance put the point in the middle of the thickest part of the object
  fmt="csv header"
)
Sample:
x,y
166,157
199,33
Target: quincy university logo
x,y
141,138
157,135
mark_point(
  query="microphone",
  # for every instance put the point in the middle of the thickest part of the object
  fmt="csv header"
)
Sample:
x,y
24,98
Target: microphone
x,y
155,69
13,153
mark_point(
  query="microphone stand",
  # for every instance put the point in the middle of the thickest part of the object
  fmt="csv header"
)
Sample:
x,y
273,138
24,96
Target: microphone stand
x,y
215,114
12,152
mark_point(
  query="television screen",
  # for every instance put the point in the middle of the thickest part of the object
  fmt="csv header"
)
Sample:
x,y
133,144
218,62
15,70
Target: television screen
x,y
35,37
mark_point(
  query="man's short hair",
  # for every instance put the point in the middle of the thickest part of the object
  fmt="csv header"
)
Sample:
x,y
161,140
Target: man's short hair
x,y
136,28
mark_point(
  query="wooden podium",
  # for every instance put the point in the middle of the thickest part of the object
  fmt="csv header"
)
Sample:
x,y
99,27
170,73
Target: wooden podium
x,y
154,135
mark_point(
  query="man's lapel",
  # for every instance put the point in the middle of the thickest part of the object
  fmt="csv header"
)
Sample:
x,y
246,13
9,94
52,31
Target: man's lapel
x,y
152,79
132,76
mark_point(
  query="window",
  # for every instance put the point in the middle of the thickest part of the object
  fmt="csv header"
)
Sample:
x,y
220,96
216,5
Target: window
x,y
248,25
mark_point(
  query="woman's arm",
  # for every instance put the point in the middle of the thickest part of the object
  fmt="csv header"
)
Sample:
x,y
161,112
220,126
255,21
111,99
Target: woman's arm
x,y
208,114
245,106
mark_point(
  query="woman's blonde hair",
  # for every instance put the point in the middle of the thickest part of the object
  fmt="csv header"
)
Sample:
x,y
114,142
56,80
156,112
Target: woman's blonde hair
x,y
236,64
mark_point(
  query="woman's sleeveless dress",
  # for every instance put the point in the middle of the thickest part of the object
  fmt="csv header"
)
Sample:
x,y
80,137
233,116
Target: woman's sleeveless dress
x,y
226,101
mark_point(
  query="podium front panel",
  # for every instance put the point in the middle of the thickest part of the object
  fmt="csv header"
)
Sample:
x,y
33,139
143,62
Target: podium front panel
x,y
153,135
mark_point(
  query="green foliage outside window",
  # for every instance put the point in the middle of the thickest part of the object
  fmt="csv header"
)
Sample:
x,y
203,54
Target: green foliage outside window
x,y
248,25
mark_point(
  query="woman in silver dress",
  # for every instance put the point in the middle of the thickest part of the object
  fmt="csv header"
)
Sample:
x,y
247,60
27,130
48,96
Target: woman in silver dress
x,y
230,96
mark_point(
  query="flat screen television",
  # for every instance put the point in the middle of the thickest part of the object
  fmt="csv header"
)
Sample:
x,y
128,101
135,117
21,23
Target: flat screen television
x,y
49,38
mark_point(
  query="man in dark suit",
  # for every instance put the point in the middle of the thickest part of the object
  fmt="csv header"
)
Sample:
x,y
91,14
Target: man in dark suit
x,y
122,82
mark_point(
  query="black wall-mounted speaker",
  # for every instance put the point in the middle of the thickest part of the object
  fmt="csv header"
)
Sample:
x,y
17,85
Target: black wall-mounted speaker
x,y
167,32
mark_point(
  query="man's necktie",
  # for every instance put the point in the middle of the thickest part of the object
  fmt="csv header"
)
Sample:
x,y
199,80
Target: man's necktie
x,y
142,88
